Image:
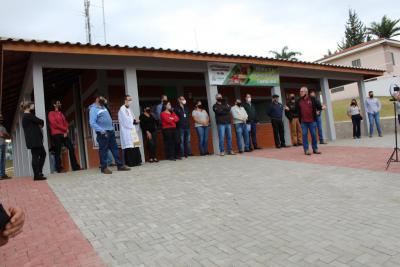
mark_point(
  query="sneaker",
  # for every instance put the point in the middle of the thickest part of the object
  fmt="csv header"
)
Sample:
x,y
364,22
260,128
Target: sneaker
x,y
5,177
316,152
308,153
380,135
240,152
222,154
124,168
257,147
106,171
247,150
323,142
231,153
39,178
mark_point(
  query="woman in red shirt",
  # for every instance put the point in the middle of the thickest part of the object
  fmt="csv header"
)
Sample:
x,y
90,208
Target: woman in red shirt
x,y
168,123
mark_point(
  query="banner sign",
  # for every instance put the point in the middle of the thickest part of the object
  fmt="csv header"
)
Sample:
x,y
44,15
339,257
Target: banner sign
x,y
242,74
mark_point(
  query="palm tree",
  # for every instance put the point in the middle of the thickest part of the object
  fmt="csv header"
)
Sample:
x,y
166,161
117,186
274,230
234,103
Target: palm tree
x,y
387,28
285,54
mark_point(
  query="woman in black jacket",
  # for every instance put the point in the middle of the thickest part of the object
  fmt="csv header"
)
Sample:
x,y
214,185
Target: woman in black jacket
x,y
34,138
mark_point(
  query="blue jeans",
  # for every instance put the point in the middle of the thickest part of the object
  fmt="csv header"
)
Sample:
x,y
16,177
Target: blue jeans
x,y
309,126
253,133
109,157
107,142
241,131
185,142
225,130
319,127
3,159
202,133
374,117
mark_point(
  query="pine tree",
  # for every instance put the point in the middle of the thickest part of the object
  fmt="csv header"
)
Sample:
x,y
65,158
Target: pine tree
x,y
355,33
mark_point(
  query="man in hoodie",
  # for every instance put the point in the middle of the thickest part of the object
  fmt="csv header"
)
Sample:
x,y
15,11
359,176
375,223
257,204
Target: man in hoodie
x,y
101,122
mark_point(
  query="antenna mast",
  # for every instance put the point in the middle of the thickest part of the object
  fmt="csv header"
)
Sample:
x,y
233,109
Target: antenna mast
x,y
87,22
104,22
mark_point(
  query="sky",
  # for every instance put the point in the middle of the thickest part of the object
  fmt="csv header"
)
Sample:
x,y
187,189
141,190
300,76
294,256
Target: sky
x,y
252,27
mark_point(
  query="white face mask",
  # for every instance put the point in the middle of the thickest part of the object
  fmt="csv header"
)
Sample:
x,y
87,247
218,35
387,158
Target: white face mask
x,y
248,99
183,102
130,102
168,107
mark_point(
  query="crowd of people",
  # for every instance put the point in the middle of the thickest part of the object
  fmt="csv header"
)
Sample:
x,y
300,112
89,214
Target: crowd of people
x,y
174,123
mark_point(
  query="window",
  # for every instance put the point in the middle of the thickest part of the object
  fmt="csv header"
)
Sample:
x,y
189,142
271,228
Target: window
x,y
262,106
392,54
356,63
337,89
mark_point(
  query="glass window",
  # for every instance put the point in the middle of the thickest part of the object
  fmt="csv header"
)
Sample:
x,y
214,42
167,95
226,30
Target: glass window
x,y
392,54
356,63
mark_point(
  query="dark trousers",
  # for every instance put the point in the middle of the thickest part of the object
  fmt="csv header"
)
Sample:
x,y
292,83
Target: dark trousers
x,y
253,134
279,136
171,143
59,141
38,159
356,120
151,144
107,142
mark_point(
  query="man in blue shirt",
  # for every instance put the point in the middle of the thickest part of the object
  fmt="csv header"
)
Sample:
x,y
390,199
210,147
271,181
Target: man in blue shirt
x,y
100,120
275,112
159,107
373,107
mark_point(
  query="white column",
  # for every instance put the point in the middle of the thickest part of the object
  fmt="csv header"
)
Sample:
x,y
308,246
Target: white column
x,y
15,152
277,91
329,120
363,95
212,91
131,88
40,110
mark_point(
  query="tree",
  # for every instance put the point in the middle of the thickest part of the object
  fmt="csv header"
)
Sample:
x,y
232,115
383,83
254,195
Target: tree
x,y
387,28
285,54
355,33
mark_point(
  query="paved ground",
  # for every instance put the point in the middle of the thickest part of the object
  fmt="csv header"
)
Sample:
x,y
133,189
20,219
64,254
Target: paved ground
x,y
269,208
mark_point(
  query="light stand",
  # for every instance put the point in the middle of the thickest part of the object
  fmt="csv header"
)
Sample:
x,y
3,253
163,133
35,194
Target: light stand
x,y
395,154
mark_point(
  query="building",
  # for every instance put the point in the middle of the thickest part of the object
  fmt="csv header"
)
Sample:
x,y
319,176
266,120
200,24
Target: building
x,y
380,54
74,72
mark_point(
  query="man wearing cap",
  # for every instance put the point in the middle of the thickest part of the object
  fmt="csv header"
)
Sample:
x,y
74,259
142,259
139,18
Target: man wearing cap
x,y
3,148
275,112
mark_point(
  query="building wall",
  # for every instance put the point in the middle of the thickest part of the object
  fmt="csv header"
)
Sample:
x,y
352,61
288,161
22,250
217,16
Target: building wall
x,y
377,57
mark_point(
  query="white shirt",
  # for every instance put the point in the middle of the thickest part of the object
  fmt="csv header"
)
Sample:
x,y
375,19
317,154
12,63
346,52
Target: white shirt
x,y
126,126
353,110
239,114
372,105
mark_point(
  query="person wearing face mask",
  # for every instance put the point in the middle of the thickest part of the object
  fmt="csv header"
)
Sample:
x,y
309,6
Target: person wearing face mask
x,y
149,127
355,113
201,123
373,107
222,112
307,108
101,121
293,117
160,107
129,137
251,121
240,117
183,127
275,112
168,121
33,126
320,132
59,135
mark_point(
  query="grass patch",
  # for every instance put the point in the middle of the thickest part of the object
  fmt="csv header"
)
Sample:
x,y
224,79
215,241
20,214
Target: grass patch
x,y
340,108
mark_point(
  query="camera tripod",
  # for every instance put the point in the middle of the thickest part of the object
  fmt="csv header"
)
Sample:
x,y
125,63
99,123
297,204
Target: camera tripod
x,y
395,154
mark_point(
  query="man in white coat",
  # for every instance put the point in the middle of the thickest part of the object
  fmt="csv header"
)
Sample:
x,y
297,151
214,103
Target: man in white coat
x,y
129,137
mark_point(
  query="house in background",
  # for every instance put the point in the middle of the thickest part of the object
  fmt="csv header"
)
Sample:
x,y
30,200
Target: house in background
x,y
381,54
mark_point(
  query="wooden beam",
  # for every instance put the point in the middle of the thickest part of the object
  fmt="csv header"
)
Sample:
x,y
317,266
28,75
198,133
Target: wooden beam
x,y
140,52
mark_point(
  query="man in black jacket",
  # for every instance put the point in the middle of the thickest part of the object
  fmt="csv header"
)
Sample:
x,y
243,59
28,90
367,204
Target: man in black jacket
x,y
307,108
275,112
251,121
32,126
293,117
223,117
183,127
